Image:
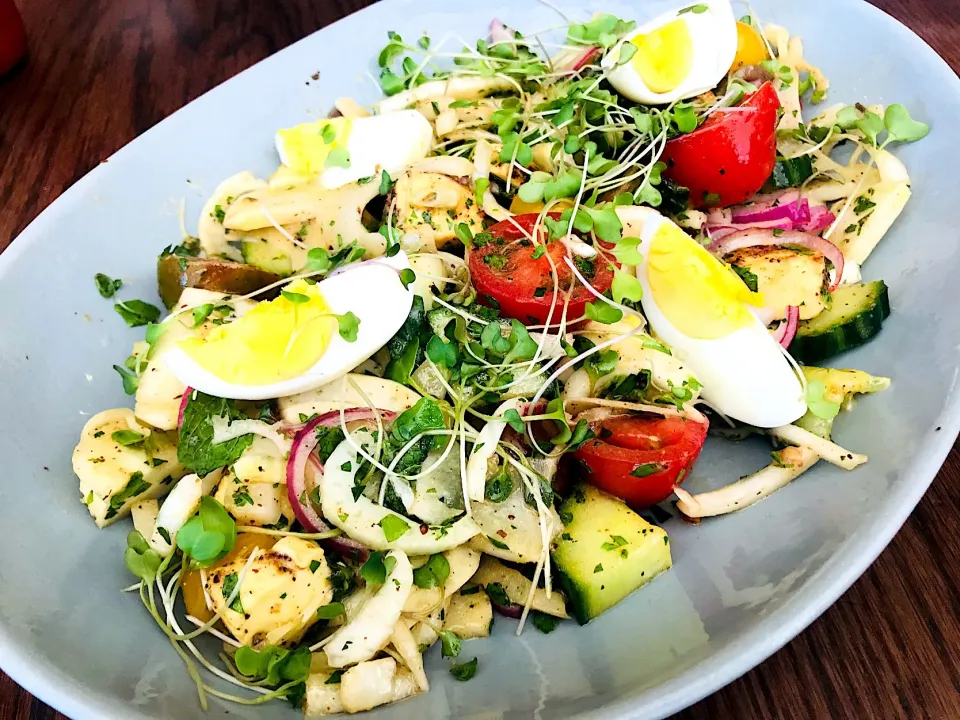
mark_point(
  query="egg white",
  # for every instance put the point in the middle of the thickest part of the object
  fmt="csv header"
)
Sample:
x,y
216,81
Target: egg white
x,y
714,37
371,290
745,374
390,142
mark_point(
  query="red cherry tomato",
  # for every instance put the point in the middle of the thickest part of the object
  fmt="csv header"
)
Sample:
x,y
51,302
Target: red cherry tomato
x,y
639,458
727,159
506,275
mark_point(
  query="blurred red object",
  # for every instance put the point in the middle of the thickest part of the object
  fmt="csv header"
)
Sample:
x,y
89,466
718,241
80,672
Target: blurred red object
x,y
13,38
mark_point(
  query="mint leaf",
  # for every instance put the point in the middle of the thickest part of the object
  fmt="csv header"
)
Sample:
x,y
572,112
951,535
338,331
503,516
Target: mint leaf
x,y
137,312
450,644
196,449
433,574
107,286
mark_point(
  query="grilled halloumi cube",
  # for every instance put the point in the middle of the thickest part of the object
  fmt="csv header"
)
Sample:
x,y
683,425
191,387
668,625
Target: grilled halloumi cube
x,y
115,476
786,276
279,594
254,490
433,203
470,616
323,696
375,682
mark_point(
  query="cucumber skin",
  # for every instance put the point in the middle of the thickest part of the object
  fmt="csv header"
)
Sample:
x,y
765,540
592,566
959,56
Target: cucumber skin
x,y
578,604
258,254
576,600
854,333
574,577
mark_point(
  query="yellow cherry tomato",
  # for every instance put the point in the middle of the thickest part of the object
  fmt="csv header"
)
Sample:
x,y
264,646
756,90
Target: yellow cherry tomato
x,y
751,49
192,585
519,207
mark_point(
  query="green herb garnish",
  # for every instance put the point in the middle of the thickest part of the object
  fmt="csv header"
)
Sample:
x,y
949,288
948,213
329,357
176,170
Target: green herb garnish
x,y
107,286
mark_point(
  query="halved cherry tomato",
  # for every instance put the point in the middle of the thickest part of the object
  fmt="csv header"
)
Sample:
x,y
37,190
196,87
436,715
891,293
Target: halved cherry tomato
x,y
727,159
751,49
191,581
505,272
640,458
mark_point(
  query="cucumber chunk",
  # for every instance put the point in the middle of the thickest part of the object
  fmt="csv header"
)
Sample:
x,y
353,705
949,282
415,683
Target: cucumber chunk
x,y
854,317
266,256
605,552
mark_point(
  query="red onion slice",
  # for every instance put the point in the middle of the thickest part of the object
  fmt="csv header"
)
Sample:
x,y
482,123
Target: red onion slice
x,y
787,330
786,211
719,216
184,399
766,200
716,232
332,419
756,236
302,452
573,60
585,58
348,548
820,219
500,33
510,611
797,212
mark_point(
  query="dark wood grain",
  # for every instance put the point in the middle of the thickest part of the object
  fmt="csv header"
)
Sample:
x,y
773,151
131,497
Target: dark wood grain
x,y
101,72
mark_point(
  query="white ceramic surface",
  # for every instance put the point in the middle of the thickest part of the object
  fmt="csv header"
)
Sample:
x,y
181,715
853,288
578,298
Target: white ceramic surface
x,y
742,585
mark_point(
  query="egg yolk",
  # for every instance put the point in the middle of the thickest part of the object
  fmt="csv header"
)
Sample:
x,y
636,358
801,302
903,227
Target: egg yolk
x,y
274,341
664,56
519,207
308,146
699,295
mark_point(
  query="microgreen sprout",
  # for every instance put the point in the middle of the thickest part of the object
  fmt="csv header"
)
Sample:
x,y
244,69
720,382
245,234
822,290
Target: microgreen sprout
x,y
817,403
209,535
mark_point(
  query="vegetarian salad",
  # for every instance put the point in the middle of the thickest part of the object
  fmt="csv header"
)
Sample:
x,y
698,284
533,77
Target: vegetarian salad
x,y
442,363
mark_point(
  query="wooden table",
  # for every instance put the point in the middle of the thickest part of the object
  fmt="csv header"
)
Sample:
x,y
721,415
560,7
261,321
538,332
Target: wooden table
x,y
103,71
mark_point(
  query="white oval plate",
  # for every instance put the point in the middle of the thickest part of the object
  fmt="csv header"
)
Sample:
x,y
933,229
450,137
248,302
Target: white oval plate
x,y
742,585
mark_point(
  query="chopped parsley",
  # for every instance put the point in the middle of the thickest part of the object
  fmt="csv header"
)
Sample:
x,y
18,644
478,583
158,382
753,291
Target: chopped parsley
x,y
646,469
135,486
464,671
106,285
497,262
616,542
544,623
229,585
863,204
331,611
241,497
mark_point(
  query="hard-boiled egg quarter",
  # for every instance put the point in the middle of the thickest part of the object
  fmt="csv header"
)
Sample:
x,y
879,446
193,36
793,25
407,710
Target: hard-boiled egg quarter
x,y
701,309
343,150
678,55
292,344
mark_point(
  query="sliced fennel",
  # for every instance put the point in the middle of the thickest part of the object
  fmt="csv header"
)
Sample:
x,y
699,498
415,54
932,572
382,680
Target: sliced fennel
x,y
362,519
370,629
